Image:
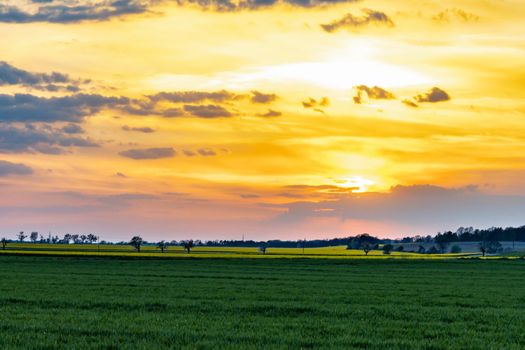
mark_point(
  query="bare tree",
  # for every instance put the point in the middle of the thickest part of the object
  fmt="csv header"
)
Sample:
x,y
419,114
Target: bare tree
x,y
4,243
21,236
188,245
136,242
162,245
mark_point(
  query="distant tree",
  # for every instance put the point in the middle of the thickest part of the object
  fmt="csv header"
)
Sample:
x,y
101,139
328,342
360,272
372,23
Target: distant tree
x,y
188,245
262,249
489,247
387,248
400,248
136,242
4,243
75,238
359,241
421,249
456,249
162,245
442,245
367,247
33,237
21,236
83,238
67,238
92,238
432,250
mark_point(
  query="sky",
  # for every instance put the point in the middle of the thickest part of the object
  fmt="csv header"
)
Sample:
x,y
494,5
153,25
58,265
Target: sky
x,y
262,119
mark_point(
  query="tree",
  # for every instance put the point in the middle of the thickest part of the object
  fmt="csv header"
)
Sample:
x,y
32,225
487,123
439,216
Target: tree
x,y
136,242
490,247
432,250
442,245
367,247
162,245
387,248
4,243
22,236
83,238
75,238
33,236
400,248
92,238
262,249
359,241
188,245
421,249
456,249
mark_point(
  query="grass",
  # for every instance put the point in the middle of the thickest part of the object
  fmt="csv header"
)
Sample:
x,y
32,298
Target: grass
x,y
99,303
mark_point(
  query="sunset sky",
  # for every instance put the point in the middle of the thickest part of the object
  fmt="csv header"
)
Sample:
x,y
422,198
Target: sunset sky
x,y
284,119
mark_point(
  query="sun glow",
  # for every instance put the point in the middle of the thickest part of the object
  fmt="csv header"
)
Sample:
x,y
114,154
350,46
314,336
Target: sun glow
x,y
357,183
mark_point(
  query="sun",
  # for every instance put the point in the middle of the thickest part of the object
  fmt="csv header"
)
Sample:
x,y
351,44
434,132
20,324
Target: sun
x,y
357,183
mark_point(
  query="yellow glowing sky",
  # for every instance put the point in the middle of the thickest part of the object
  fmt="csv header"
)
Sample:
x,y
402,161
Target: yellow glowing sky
x,y
476,53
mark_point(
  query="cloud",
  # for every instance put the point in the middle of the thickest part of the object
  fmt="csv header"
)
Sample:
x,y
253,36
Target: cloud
x,y
41,139
62,11
8,168
73,129
195,96
417,206
373,93
409,103
259,97
52,82
143,129
119,174
207,111
350,21
74,108
311,102
434,95
252,5
270,113
206,152
149,153
452,14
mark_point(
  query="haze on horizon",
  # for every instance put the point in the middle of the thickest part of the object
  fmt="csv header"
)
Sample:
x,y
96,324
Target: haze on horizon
x,y
269,119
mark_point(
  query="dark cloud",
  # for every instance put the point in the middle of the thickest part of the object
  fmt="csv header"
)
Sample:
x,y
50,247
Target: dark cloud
x,y
434,95
374,93
62,11
149,153
41,139
119,174
73,129
252,5
74,108
410,103
207,111
350,21
259,97
143,129
206,152
311,102
270,113
195,96
455,14
8,168
189,153
249,195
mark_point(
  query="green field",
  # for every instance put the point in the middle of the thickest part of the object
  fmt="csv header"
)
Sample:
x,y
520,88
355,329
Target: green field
x,y
108,303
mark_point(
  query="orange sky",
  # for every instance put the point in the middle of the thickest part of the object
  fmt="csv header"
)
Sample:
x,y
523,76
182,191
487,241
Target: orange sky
x,y
271,120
